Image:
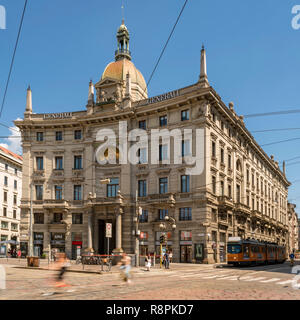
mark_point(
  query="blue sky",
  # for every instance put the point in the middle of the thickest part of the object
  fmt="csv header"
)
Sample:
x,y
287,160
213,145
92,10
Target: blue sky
x,y
252,57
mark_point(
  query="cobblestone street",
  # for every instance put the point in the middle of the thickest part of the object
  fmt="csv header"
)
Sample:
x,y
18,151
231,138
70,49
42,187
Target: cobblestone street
x,y
180,282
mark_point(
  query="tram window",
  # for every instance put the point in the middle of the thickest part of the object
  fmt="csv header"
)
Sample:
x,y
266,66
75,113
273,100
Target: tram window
x,y
234,248
246,251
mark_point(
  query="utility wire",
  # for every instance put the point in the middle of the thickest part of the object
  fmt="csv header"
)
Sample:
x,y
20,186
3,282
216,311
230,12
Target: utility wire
x,y
158,61
271,113
277,142
13,57
274,130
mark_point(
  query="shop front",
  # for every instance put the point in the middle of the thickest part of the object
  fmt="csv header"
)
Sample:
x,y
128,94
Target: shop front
x,y
58,242
186,247
38,244
76,245
199,252
143,244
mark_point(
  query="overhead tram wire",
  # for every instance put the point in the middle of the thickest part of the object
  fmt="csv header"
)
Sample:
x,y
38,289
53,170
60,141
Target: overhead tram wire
x,y
274,130
254,115
13,57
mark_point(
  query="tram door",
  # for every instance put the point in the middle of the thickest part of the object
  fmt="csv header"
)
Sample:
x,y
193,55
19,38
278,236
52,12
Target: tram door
x,y
103,241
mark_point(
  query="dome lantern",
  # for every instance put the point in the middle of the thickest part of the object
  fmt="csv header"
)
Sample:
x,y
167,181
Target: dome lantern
x,y
123,43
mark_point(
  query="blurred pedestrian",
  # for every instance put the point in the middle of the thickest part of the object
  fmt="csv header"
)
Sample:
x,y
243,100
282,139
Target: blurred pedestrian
x,y
19,254
167,261
61,266
148,262
125,267
171,256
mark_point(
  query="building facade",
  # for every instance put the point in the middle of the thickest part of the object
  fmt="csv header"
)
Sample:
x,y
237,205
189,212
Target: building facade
x,y
293,228
11,186
234,189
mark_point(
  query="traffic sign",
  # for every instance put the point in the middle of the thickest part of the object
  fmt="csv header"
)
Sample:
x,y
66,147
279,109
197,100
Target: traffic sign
x,y
108,230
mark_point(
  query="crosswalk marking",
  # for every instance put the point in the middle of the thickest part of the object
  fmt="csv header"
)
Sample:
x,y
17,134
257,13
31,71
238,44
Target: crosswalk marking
x,y
256,279
285,282
243,278
271,280
228,278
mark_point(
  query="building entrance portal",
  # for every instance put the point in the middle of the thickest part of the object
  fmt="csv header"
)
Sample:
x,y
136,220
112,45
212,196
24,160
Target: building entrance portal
x,y
103,241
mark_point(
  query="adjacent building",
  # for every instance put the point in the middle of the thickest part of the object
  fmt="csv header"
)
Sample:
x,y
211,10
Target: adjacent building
x,y
235,189
11,192
293,228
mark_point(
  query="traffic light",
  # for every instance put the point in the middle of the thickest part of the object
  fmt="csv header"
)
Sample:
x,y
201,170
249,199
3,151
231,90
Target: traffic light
x,y
161,239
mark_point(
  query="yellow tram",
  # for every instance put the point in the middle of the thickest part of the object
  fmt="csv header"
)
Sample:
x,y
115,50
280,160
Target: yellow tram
x,y
253,252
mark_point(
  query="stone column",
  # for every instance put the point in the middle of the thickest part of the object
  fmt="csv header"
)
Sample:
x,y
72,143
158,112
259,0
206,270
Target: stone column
x,y
89,234
118,248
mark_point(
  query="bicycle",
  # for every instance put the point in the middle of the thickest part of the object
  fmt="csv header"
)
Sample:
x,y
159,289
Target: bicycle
x,y
106,264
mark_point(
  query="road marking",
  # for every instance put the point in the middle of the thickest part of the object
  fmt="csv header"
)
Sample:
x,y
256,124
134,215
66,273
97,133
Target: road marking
x,y
286,282
228,278
271,280
256,279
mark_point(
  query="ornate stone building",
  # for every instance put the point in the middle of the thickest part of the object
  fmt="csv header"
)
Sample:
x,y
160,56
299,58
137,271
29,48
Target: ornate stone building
x,y
238,191
293,228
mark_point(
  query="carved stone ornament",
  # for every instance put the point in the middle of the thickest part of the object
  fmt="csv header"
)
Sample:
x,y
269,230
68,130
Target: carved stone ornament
x,y
204,109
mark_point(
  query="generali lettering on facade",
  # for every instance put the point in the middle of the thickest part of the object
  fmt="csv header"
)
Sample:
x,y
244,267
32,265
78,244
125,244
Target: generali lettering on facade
x,y
163,97
63,115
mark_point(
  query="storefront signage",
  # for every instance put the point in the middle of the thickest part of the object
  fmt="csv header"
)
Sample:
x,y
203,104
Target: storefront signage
x,y
53,116
186,235
163,97
108,230
186,243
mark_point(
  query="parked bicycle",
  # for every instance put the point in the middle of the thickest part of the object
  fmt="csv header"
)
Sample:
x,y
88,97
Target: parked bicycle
x,y
106,264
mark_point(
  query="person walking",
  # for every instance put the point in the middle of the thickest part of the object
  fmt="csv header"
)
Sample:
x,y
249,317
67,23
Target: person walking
x,y
19,254
171,257
148,262
292,259
125,267
167,261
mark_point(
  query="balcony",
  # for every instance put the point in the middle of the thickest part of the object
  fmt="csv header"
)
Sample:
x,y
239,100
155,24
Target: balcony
x,y
38,173
77,172
242,208
226,202
55,204
58,172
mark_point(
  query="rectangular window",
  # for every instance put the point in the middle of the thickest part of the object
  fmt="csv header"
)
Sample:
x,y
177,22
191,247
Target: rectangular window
x,y
4,212
39,163
163,152
4,225
77,192
162,213
14,227
222,188
77,218
142,153
5,196
163,121
40,136
222,155
39,192
6,166
229,161
57,217
142,187
16,171
59,163
15,184
248,176
185,148
15,199
213,149
38,218
238,193
185,214
77,134
113,188
214,188
185,183
14,214
58,192
163,185
6,181
58,135
144,216
229,191
185,115
77,162
142,125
